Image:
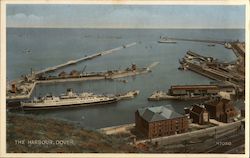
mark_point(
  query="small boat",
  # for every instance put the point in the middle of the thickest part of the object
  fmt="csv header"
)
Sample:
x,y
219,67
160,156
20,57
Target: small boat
x,y
128,95
211,45
228,45
27,51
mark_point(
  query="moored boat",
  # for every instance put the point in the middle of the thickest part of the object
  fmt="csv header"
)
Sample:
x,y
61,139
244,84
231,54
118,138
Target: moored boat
x,y
69,99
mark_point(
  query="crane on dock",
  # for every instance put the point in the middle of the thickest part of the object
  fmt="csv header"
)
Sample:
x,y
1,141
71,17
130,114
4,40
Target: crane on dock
x,y
84,68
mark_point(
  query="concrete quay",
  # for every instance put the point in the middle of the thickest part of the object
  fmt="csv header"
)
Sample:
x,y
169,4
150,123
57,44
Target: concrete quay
x,y
29,86
100,75
160,95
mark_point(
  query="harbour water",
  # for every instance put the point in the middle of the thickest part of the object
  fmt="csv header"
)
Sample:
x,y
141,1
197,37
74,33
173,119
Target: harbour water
x,y
49,47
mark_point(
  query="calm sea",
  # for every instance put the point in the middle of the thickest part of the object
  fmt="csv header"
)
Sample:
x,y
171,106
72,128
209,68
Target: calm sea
x,y
49,47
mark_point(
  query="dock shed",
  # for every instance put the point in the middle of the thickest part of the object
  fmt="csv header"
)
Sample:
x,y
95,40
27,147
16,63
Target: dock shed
x,y
193,90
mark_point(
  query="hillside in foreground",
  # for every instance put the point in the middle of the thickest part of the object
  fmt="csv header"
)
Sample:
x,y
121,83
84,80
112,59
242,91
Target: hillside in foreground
x,y
32,134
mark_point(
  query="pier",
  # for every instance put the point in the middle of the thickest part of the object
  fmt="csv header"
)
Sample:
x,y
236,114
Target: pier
x,y
198,40
160,95
238,49
111,74
194,92
72,62
207,66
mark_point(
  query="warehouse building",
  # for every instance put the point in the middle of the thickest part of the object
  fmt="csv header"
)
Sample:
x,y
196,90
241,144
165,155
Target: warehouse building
x,y
160,121
193,90
221,109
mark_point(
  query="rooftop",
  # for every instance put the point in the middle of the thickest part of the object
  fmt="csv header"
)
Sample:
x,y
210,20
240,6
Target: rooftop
x,y
152,114
198,109
194,87
215,102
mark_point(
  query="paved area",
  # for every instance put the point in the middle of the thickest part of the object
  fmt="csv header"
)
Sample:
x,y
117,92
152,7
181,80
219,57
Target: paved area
x,y
217,122
117,129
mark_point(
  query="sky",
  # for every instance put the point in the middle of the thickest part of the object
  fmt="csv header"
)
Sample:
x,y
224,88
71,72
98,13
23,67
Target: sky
x,y
125,16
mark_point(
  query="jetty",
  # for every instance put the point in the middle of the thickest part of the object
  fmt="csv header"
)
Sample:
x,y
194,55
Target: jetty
x,y
95,55
110,74
194,92
198,40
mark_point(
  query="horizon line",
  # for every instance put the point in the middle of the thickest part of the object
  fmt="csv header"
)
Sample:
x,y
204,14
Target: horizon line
x,y
124,27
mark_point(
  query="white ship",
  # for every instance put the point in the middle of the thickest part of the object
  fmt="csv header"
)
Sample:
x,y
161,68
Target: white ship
x,y
69,99
166,40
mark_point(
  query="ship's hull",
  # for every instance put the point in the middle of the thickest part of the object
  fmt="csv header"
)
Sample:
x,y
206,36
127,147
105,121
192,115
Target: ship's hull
x,y
41,106
96,76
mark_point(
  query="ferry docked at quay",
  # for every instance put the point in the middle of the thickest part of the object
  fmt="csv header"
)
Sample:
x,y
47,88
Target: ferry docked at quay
x,y
69,99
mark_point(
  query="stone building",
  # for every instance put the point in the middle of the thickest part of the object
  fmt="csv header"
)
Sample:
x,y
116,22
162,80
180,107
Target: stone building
x,y
159,121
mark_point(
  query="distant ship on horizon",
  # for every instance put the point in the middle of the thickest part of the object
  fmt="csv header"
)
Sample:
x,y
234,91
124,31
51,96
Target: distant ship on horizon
x,y
165,40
